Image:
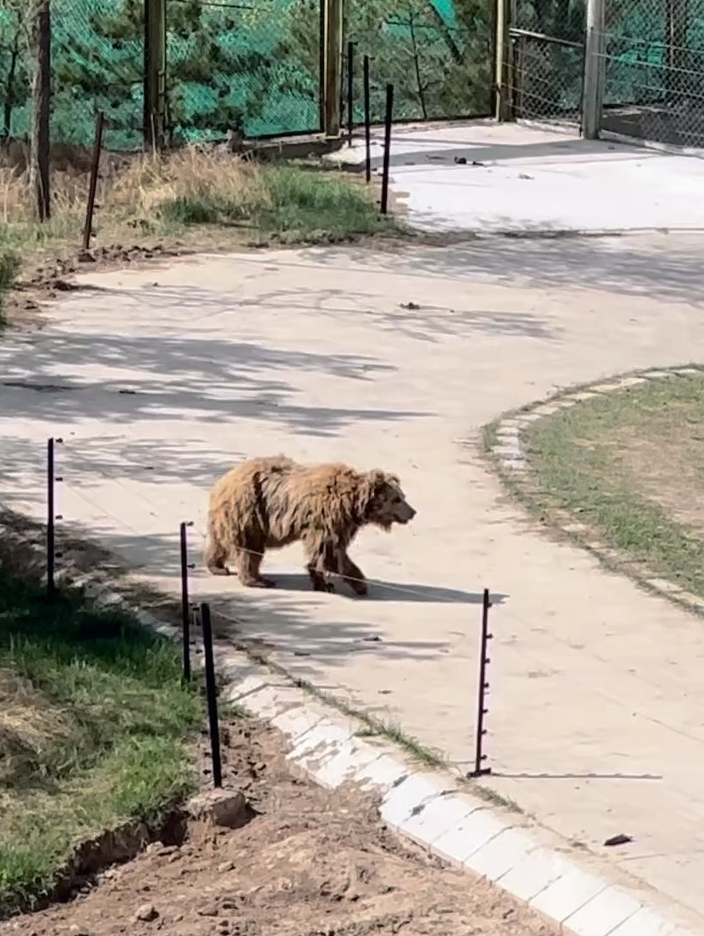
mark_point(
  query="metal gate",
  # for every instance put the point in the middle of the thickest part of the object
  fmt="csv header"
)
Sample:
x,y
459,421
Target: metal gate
x,y
545,68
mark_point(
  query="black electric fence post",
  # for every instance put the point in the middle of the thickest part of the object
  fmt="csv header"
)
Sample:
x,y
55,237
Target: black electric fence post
x,y
211,691
367,122
93,183
480,756
51,516
185,606
387,148
350,91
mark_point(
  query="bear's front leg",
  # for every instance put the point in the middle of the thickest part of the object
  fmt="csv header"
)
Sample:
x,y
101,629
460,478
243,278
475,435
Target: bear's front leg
x,y
353,575
320,561
248,565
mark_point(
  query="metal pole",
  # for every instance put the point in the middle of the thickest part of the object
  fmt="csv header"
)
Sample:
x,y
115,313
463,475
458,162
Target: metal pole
x,y
367,122
185,606
92,188
211,692
593,93
50,515
350,91
387,148
479,756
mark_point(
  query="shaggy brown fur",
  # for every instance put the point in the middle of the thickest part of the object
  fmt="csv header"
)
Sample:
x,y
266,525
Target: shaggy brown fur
x,y
267,503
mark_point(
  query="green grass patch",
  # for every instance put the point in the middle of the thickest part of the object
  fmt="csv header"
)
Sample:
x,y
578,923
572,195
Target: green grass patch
x,y
630,466
94,726
287,202
9,268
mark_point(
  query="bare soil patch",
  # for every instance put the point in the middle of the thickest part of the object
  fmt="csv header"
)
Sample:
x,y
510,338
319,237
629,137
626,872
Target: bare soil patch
x,y
308,862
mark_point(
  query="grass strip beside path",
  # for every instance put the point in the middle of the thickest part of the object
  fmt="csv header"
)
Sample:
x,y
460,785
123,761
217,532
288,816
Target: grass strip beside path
x,y
94,725
629,465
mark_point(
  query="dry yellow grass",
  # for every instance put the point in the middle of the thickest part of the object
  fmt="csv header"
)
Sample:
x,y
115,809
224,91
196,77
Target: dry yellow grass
x,y
148,197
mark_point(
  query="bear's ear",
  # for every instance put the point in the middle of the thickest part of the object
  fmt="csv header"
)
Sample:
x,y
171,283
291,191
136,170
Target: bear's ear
x,y
370,487
393,479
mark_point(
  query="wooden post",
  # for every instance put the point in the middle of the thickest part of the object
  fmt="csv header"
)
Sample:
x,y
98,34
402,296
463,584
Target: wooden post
x,y
333,66
40,143
154,74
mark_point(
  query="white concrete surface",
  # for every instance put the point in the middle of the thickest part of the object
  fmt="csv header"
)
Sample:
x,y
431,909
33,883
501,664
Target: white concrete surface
x,y
518,178
595,710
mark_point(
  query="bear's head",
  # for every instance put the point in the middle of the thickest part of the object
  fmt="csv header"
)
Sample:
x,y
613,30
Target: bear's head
x,y
383,503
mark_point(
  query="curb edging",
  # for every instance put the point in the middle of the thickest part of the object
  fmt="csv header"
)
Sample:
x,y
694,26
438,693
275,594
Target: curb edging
x,y
507,450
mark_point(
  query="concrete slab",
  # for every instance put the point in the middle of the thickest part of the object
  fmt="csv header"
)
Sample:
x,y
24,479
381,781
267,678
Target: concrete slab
x,y
469,835
596,918
568,894
310,352
510,177
435,819
410,796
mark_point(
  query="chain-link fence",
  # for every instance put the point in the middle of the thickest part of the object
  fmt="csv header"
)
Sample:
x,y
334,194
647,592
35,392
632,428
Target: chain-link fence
x,y
97,64
546,76
438,55
251,67
654,70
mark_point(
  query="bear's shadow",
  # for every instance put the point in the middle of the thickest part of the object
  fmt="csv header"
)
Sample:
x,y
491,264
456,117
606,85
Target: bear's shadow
x,y
388,591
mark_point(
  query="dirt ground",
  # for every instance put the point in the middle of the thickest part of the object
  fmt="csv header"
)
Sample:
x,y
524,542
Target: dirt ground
x,y
308,863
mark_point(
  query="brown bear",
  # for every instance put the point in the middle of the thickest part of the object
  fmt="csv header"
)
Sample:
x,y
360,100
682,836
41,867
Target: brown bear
x,y
268,503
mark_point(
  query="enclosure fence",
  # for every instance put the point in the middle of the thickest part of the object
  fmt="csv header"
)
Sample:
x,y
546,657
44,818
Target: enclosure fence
x,y
653,66
646,62
179,71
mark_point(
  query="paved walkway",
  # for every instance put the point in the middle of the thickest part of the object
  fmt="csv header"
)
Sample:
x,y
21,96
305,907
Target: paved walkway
x,y
483,176
163,378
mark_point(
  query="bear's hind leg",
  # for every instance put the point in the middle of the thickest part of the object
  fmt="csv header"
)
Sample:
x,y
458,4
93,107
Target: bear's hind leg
x,y
216,558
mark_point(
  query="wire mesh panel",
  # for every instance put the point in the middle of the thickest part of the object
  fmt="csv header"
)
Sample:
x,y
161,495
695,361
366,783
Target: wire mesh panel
x,y
14,68
438,54
654,70
546,65
97,61
97,64
547,78
250,66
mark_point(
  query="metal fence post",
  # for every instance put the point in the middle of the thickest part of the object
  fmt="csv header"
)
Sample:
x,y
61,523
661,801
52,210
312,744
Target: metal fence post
x,y
51,516
93,184
482,691
211,692
367,123
388,120
185,602
593,94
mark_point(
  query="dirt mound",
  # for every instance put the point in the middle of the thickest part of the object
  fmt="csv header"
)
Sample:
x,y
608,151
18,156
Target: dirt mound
x,y
308,863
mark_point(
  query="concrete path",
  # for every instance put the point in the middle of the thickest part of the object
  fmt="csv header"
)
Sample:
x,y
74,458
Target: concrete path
x,y
508,177
159,380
